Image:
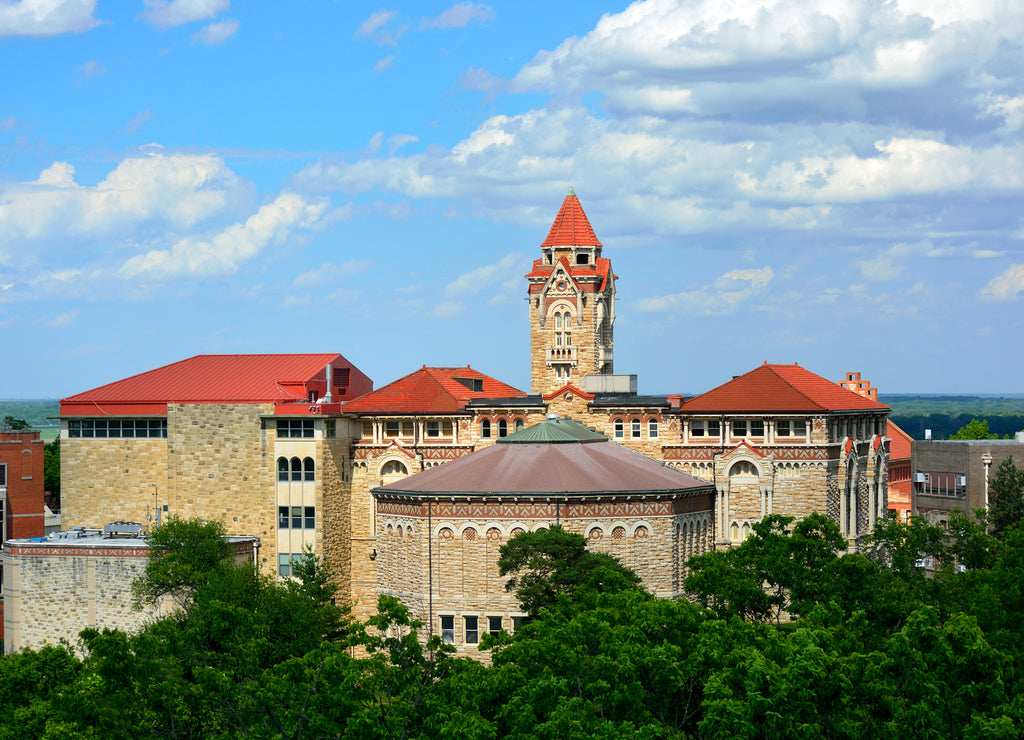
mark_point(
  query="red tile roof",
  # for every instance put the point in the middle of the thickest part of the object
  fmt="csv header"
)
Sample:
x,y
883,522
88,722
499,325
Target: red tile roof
x,y
430,390
899,442
779,389
571,227
603,268
216,379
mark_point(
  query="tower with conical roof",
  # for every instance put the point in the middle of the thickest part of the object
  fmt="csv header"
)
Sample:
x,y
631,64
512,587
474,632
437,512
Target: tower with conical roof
x,y
572,303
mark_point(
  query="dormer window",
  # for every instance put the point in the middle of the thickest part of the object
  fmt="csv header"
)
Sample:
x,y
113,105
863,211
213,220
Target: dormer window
x,y
583,258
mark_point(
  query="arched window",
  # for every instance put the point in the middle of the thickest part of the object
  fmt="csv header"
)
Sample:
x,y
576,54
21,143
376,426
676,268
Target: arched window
x,y
563,328
502,428
296,469
485,428
618,429
308,469
635,428
652,428
518,424
394,467
282,468
743,467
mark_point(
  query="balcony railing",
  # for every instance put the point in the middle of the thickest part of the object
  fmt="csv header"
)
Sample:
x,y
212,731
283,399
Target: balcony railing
x,y
562,354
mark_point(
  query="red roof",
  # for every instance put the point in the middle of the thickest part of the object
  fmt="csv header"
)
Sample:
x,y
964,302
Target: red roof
x,y
779,389
431,390
219,379
899,442
571,227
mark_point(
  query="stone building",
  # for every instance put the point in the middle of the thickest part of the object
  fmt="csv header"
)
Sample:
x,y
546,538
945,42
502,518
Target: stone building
x,y
59,585
257,442
438,532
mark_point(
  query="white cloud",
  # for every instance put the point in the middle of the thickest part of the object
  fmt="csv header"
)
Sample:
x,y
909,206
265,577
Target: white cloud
x,y
224,252
138,121
176,191
725,296
460,15
46,17
216,33
376,21
1011,110
61,320
8,124
167,13
484,277
331,273
1005,287
385,63
90,69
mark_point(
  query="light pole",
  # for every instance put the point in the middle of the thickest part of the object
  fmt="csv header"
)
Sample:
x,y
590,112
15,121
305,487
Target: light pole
x,y
986,459
156,504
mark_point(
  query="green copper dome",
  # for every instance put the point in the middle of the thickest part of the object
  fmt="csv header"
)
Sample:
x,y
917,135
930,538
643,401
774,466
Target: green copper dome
x,y
553,431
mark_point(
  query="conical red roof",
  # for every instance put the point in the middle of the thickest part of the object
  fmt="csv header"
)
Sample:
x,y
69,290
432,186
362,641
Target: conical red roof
x,y
571,227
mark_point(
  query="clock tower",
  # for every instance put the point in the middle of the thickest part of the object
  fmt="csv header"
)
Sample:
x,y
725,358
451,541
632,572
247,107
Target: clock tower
x,y
572,304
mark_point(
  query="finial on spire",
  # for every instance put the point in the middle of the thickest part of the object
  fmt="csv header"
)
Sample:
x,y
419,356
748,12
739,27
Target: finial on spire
x,y
571,191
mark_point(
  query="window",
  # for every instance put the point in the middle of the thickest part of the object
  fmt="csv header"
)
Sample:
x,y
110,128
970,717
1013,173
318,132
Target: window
x,y
282,468
295,428
635,428
394,467
748,427
391,428
296,469
618,428
652,428
296,517
502,428
433,429
519,424
791,428
308,469
330,428
472,630
485,428
757,427
517,622
563,329
3,474
448,629
494,625
117,428
284,564
739,427
705,428
582,258
743,467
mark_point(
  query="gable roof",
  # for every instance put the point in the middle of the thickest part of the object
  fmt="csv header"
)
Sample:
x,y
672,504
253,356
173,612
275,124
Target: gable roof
x,y
431,390
571,227
217,379
779,389
899,441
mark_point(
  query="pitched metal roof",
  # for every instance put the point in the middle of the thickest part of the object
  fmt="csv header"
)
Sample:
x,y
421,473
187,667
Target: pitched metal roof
x,y
554,431
779,389
551,465
431,390
571,227
213,379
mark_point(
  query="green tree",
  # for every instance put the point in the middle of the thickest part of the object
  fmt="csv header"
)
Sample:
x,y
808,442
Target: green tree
x,y
974,429
1006,497
183,555
15,425
51,468
551,562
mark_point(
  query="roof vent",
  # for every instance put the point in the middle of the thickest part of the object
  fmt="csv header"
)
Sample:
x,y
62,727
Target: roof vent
x,y
474,384
123,529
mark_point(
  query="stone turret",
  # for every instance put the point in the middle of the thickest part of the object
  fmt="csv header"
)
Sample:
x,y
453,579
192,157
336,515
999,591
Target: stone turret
x,y
572,303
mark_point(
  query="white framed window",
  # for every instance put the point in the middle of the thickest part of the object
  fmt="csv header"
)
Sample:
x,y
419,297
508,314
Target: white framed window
x,y
485,429
448,628
705,428
634,428
472,630
791,428
747,427
117,428
433,429
518,424
394,467
619,427
652,428
502,427
295,428
392,428
494,625
296,517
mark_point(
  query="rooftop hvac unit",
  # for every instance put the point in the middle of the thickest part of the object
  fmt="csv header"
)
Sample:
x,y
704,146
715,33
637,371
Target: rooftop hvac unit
x,y
961,480
920,477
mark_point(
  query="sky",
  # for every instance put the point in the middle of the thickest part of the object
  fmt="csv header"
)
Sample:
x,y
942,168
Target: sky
x,y
835,183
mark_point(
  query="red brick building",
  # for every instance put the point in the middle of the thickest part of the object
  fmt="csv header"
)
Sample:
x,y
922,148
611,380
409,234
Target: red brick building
x,y
21,491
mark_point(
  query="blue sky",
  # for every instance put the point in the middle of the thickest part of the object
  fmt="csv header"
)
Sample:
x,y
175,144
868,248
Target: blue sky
x,y
831,183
